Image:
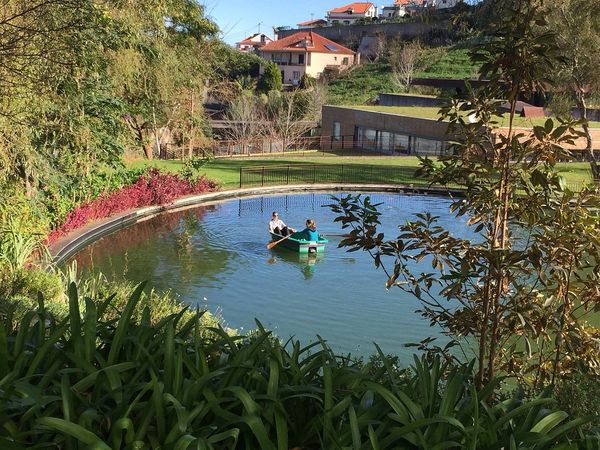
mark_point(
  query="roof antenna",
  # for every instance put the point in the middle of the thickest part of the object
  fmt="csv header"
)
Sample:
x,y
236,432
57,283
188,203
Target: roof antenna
x,y
259,24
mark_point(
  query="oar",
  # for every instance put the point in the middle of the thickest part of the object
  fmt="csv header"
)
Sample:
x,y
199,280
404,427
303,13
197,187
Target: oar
x,y
270,245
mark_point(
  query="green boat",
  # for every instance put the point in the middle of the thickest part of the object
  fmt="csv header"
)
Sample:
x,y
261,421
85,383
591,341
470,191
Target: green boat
x,y
300,245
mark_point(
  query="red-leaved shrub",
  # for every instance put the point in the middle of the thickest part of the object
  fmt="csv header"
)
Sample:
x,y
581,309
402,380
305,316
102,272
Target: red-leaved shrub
x,y
152,188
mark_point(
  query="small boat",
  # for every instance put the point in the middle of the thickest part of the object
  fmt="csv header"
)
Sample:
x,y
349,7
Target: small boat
x,y
300,245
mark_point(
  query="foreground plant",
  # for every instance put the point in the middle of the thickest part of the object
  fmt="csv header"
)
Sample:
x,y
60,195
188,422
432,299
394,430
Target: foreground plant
x,y
89,381
151,188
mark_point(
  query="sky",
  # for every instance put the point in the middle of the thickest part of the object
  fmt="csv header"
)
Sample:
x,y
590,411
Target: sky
x,y
239,19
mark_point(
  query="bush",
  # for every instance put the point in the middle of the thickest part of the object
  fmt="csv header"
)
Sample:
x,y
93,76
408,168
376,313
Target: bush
x,y
114,383
23,285
151,188
579,395
271,78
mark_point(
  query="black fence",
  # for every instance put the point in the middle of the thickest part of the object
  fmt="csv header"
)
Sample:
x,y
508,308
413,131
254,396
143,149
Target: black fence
x,y
343,145
288,174
271,175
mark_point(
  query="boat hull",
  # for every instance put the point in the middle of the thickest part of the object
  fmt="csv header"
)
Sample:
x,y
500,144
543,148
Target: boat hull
x,y
300,245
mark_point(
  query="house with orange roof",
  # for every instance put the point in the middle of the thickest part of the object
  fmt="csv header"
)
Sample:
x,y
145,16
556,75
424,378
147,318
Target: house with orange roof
x,y
351,13
306,52
403,8
316,23
253,43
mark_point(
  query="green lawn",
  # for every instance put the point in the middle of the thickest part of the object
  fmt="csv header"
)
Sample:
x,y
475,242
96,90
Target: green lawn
x,y
433,113
395,168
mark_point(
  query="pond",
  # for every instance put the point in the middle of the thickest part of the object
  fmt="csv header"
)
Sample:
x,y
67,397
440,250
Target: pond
x,y
215,256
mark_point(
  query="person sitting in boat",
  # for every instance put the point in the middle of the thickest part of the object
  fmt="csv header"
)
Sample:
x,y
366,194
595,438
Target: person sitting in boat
x,y
278,226
309,233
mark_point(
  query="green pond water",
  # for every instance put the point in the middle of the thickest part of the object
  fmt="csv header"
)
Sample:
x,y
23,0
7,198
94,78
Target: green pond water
x,y
216,257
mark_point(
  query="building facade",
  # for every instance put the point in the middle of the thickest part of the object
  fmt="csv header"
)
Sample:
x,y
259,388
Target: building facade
x,y
306,53
344,127
351,13
253,43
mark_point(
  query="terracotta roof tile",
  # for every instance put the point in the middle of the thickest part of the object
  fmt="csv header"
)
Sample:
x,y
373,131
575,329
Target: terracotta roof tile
x,y
311,22
307,41
409,2
357,8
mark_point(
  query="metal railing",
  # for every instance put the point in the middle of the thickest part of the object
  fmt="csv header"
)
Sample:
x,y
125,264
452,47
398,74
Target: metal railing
x,y
288,174
344,145
283,174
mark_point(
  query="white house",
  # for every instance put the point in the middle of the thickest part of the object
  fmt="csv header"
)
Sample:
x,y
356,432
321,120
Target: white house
x,y
253,43
306,52
349,14
442,4
402,8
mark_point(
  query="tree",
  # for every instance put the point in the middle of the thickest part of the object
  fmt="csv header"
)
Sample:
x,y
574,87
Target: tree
x,y
520,290
291,115
159,67
405,60
577,24
271,78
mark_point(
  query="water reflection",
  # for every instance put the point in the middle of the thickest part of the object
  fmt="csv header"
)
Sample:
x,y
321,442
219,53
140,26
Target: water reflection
x,y
307,263
219,253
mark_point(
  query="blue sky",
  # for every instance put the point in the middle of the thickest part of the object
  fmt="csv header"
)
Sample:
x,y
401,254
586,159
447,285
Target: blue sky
x,y
238,19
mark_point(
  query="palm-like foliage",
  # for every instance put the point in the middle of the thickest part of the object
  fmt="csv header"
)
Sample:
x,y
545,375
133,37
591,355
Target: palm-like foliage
x,y
17,246
93,382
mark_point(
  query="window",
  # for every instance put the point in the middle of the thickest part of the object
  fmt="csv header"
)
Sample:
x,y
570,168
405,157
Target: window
x,y
335,58
346,22
301,59
296,75
422,146
263,38
337,131
345,61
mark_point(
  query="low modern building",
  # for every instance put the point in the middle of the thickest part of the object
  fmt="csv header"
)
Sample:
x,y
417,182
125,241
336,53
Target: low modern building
x,y
396,134
345,127
351,13
253,43
307,53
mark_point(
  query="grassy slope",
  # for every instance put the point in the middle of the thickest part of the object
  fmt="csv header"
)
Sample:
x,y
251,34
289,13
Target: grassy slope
x,y
226,171
363,84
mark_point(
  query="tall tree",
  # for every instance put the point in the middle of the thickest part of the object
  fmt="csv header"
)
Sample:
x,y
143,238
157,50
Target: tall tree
x,y
577,24
160,66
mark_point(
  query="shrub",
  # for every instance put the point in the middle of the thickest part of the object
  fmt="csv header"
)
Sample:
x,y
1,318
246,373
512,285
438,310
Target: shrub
x,y
579,395
151,188
115,383
23,285
271,78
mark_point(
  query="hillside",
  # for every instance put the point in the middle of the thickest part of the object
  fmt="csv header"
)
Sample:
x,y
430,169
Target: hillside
x,y
363,84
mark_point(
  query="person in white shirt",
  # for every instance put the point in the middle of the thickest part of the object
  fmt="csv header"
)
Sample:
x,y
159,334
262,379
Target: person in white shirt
x,y
278,226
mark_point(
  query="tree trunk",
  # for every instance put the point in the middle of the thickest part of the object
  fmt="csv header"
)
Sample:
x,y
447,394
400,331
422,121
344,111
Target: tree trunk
x,y
191,143
148,151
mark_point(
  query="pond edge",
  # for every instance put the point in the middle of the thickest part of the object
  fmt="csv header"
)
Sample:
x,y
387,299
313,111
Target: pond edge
x,y
75,241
